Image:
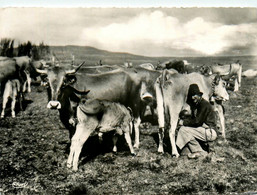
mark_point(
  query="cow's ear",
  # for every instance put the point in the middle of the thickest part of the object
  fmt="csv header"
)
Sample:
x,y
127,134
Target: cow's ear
x,y
217,79
70,79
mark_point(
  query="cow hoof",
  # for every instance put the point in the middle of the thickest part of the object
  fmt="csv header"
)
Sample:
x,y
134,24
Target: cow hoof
x,y
175,155
74,168
69,165
133,154
136,146
160,150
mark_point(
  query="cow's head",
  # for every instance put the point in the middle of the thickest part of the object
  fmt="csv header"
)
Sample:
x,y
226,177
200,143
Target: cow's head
x,y
219,88
57,78
205,70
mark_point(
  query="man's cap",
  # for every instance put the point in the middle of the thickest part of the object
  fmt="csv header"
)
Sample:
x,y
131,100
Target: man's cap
x,y
194,90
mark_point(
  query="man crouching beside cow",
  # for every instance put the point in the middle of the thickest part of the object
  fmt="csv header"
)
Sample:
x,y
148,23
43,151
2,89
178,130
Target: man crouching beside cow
x,y
172,95
201,126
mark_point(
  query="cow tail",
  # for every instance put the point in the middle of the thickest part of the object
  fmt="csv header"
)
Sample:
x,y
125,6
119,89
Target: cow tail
x,y
160,100
18,85
131,124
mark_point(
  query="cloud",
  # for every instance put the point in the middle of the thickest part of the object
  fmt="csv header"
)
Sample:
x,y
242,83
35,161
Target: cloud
x,y
139,31
158,29
53,26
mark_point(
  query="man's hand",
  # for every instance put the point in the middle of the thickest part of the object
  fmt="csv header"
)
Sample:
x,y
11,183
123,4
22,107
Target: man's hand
x,y
180,123
205,126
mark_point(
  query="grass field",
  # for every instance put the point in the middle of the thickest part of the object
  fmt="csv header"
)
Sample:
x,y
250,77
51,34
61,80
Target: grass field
x,y
34,148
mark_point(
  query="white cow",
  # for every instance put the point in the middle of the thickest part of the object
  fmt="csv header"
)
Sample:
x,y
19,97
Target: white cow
x,y
250,73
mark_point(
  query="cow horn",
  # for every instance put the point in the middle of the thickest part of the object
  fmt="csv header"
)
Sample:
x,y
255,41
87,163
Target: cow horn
x,y
41,71
74,70
85,92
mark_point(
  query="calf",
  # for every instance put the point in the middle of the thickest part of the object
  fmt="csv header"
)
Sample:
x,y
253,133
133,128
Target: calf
x,y
101,117
12,91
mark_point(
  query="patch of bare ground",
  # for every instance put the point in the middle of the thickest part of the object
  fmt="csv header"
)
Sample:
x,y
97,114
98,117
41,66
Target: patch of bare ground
x,y
34,149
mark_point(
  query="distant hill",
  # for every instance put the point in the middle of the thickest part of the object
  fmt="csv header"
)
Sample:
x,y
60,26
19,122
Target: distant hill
x,y
93,55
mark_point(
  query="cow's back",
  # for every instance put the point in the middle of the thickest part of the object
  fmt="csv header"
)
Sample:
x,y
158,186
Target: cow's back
x,y
113,86
8,69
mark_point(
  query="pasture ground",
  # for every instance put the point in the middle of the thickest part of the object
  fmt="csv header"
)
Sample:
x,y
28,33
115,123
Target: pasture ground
x,y
34,149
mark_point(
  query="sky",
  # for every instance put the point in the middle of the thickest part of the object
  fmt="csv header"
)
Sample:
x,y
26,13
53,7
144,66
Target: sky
x,y
154,31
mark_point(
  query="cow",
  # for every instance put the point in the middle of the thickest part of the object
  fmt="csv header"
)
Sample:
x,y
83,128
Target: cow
x,y
27,69
249,73
100,69
178,65
126,87
99,116
171,92
148,66
24,62
12,91
144,79
8,70
226,71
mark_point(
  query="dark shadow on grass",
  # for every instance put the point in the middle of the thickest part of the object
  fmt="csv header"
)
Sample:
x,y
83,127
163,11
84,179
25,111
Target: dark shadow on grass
x,y
153,119
93,147
25,103
166,141
18,109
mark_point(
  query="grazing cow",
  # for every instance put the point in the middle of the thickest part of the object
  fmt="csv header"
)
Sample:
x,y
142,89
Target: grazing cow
x,y
27,69
178,65
249,73
100,117
24,62
100,69
226,71
148,66
172,91
12,91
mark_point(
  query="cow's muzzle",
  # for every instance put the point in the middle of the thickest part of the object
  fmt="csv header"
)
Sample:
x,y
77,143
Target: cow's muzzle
x,y
147,97
54,105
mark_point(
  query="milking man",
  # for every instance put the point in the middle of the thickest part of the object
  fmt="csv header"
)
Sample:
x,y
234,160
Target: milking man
x,y
201,125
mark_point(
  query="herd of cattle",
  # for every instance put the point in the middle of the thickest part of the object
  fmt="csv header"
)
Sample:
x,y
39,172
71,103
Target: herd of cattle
x,y
98,99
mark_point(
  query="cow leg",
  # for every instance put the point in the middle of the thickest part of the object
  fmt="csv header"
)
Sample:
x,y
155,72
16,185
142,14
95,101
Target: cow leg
x,y
114,140
221,120
7,91
161,117
161,136
13,106
239,74
24,86
129,142
5,100
21,100
236,86
137,123
174,114
28,81
80,137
